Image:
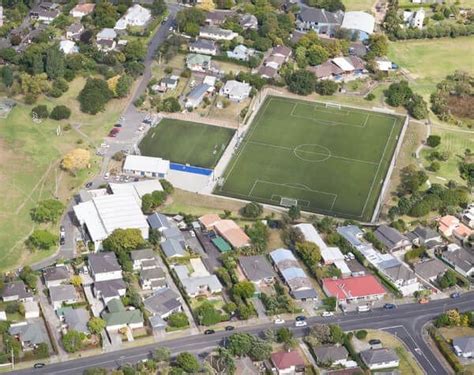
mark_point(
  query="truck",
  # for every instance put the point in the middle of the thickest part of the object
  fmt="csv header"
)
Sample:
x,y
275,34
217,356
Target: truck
x,y
363,308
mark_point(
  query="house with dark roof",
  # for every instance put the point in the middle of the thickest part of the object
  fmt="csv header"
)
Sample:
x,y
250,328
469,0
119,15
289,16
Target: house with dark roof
x,y
257,269
30,334
430,269
391,238
163,303
45,12
336,355
57,275
404,278
319,20
462,260
140,256
74,31
153,279
16,291
76,319
62,294
424,236
104,266
108,290
197,95
378,359
464,346
217,17
287,362
117,317
248,22
173,248
204,46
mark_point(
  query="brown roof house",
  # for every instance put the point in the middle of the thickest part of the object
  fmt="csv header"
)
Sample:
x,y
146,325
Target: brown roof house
x,y
286,363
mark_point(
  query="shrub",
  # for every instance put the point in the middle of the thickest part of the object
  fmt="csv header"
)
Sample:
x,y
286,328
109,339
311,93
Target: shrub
x,y
370,97
326,87
60,112
252,210
42,239
433,140
361,335
40,111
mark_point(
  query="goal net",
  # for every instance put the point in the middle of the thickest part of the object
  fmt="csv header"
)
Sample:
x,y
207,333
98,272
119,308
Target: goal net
x,y
333,105
288,202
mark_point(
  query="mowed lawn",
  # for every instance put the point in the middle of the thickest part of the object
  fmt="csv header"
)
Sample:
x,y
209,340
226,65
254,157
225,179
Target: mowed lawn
x,y
327,160
29,167
366,5
187,142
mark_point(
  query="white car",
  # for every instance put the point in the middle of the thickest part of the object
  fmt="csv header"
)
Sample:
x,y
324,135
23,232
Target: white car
x,y
327,314
301,323
279,321
106,176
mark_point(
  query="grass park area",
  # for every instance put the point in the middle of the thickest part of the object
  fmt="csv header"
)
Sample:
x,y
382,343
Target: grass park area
x,y
187,142
325,160
366,5
29,166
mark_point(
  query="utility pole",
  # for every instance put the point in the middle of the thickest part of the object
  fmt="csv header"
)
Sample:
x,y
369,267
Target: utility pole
x,y
13,360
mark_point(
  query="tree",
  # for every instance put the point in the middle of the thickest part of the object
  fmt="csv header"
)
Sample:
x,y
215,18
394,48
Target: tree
x,y
76,160
261,350
104,15
124,84
170,105
94,96
309,252
258,234
207,314
207,5
433,140
48,210
316,55
330,303
222,362
76,280
361,335
252,210
54,63
417,107
60,112
398,93
42,239
29,277
162,354
7,76
337,334
294,213
240,344
330,5
244,289
41,351
158,7
447,280
178,320
72,341
411,179
135,50
189,20
40,111
95,371
284,335
124,240
301,82
326,87
378,45
96,325
188,362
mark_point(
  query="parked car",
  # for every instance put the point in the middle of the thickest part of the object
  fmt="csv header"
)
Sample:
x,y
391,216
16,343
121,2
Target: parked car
x,y
279,321
88,185
300,323
326,314
300,318
229,328
389,306
118,125
39,365
209,331
455,295
62,240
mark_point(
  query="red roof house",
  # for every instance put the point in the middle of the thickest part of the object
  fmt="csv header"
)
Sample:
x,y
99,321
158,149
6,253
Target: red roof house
x,y
288,361
354,288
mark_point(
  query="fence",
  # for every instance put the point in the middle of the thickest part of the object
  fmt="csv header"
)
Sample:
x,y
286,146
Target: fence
x,y
190,169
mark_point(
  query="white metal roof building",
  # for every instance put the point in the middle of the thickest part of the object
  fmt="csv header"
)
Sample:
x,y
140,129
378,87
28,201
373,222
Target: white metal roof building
x,y
146,166
360,22
102,215
137,189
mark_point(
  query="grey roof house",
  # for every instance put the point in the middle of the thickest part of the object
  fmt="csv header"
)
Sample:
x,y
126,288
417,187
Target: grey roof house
x,y
140,256
333,354
196,95
163,303
257,269
464,346
173,248
104,266
319,20
110,289
391,238
62,294
461,259
56,275
159,221
204,46
153,279
377,359
76,319
29,334
16,291
430,269
248,21
425,236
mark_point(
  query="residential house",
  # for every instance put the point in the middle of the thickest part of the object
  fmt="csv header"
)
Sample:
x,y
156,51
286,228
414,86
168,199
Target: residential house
x,y
171,82
197,95
62,295
207,221
104,266
236,91
153,279
99,217
136,16
464,346
108,290
81,10
451,226
139,256
241,52
146,166
378,359
198,63
3,316
45,12
32,310
430,269
117,317
391,238
56,275
267,72
414,19
403,278
106,45
227,229
340,68
288,362
257,269
467,216
68,47
293,275
199,281
319,20
354,289
16,291
216,33
204,46
74,31
424,236
161,222
248,22
30,334
462,260
106,34
361,24
173,248
163,303
335,355
105,39
217,17
76,319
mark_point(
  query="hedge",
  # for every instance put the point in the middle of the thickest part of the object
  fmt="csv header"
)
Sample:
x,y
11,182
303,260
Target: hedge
x,y
445,349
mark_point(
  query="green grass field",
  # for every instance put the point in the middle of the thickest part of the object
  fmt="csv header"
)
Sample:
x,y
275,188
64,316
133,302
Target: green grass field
x,y
329,160
187,142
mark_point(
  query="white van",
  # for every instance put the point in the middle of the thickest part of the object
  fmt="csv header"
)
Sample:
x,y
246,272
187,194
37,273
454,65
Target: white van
x,y
363,308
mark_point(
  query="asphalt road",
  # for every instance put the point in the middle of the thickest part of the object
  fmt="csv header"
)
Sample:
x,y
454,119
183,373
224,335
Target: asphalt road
x,y
406,322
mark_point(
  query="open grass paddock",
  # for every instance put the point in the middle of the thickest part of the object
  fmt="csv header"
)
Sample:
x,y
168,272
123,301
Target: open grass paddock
x,y
324,159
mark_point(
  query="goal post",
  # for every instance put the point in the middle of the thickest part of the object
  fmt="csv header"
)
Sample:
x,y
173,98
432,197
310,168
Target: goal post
x,y
288,202
333,105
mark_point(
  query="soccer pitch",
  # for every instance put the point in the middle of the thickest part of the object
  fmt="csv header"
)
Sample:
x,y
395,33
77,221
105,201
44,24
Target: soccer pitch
x,y
324,159
186,142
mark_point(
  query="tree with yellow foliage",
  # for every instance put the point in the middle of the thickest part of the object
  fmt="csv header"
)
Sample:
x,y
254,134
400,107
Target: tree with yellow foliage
x,y
76,280
112,83
75,160
207,5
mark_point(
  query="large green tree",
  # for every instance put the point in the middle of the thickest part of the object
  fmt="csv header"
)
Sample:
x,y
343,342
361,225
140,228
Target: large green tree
x,y
48,210
188,362
124,240
73,341
54,63
94,96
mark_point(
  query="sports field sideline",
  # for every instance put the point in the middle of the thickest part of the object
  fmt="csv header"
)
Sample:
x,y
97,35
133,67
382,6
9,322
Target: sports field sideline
x,y
331,160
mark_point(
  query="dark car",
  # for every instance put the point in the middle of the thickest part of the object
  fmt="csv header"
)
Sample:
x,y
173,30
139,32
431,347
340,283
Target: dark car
x,y
455,295
229,328
389,306
209,331
39,365
375,342
118,125
300,318
62,240
88,185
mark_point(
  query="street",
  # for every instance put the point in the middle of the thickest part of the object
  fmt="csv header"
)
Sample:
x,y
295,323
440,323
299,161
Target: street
x,y
406,322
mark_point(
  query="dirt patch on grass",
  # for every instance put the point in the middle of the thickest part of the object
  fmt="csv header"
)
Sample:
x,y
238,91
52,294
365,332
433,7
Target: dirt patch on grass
x,y
453,332
461,106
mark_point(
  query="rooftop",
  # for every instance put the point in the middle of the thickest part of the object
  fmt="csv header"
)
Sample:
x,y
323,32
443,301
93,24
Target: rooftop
x,y
147,164
353,287
374,356
256,267
360,21
57,273
62,293
162,302
104,262
284,360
